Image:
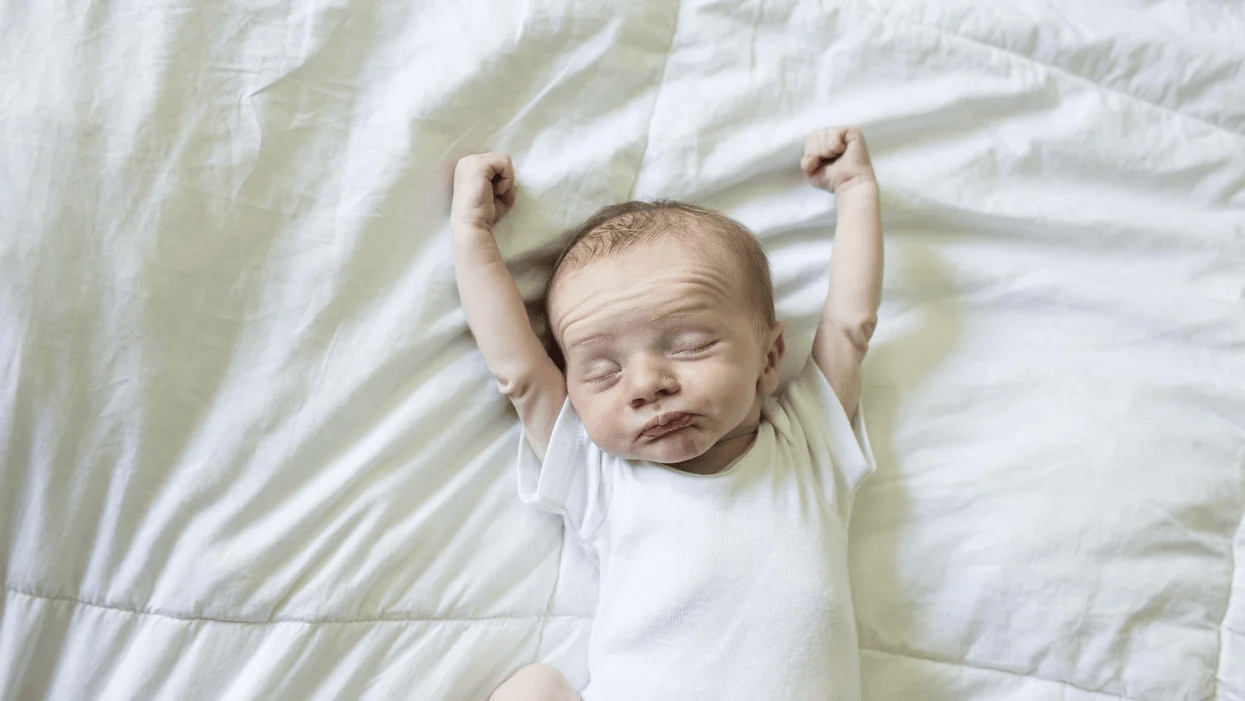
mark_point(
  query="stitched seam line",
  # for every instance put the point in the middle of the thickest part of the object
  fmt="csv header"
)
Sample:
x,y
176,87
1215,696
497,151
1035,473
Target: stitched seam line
x,y
988,668
283,619
661,85
1055,68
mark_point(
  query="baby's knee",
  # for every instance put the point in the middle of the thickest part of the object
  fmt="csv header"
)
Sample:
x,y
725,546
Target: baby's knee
x,y
535,682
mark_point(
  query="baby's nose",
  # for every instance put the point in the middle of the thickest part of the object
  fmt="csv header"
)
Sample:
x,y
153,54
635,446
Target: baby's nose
x,y
650,382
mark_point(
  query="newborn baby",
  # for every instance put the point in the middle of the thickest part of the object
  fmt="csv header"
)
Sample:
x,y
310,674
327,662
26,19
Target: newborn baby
x,y
715,507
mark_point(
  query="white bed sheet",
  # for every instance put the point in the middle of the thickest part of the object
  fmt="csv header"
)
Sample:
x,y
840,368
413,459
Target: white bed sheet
x,y
250,451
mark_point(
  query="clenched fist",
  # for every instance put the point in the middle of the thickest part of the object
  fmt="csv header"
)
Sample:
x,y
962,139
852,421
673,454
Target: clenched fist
x,y
484,190
837,158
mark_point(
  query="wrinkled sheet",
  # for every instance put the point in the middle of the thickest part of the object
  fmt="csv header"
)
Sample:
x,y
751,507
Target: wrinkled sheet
x,y
250,450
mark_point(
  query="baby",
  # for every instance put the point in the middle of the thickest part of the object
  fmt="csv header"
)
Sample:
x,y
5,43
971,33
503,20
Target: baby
x,y
716,507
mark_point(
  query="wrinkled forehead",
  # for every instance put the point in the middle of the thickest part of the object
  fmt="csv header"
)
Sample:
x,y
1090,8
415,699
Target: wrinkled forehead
x,y
651,275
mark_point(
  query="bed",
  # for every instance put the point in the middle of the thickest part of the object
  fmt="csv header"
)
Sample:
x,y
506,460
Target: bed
x,y
250,451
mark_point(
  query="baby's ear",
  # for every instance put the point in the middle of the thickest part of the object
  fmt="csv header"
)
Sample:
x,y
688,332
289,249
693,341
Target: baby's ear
x,y
775,348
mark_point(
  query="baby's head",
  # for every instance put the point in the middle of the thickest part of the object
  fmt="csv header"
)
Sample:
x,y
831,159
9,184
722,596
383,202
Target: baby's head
x,y
664,313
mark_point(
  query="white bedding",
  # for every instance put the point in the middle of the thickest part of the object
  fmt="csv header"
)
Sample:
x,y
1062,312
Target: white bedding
x,y
250,451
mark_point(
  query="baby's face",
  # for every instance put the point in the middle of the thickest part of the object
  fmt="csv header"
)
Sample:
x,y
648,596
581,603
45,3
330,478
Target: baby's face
x,y
663,356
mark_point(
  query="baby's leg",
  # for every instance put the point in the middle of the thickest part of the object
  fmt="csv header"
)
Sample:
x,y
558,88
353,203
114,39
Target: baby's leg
x,y
535,682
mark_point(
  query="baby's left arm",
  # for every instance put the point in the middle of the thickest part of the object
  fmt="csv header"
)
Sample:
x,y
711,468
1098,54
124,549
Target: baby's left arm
x,y
837,161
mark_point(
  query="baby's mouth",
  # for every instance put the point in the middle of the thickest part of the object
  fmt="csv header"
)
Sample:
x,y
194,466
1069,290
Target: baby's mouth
x,y
666,423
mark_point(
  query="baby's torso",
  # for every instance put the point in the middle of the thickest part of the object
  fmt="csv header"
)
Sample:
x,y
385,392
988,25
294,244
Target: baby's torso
x,y
728,586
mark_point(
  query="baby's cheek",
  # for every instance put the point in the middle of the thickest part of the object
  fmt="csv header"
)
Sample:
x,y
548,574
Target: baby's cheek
x,y
605,428
728,388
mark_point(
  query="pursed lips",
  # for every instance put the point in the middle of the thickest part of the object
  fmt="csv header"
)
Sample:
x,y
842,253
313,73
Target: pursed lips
x,y
666,423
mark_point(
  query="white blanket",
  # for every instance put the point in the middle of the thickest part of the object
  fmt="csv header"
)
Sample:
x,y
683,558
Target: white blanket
x,y
250,451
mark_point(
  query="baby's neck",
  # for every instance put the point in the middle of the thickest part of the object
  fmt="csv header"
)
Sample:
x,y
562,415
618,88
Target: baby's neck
x,y
723,453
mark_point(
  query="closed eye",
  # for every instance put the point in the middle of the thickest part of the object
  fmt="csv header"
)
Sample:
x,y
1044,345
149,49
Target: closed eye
x,y
698,349
601,377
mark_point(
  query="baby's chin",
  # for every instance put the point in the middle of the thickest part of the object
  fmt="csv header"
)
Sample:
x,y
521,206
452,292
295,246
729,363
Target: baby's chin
x,y
680,446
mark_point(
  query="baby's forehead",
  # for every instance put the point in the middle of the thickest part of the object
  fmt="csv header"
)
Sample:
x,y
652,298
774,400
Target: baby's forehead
x,y
692,279
674,256
625,251
692,244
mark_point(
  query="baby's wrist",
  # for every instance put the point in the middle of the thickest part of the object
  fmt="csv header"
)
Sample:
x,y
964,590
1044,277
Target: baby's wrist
x,y
468,228
864,183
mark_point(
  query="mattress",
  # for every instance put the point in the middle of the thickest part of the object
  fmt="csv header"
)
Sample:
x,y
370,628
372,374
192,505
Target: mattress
x,y
250,451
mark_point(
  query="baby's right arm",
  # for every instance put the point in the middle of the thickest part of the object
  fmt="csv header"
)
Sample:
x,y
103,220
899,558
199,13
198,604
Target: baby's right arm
x,y
484,190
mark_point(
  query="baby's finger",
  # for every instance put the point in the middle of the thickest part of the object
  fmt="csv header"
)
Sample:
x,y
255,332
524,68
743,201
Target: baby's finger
x,y
509,195
809,163
820,179
835,144
825,143
814,144
500,172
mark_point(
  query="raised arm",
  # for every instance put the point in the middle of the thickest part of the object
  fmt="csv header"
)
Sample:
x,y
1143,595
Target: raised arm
x,y
484,190
837,161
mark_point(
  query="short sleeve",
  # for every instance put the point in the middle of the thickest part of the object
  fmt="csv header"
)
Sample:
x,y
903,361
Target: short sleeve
x,y
812,403
572,480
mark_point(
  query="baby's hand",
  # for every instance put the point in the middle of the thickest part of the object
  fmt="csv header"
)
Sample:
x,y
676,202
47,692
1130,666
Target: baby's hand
x,y
484,190
836,158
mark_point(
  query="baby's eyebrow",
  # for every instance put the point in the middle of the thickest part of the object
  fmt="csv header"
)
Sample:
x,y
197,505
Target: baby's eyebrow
x,y
685,311
591,340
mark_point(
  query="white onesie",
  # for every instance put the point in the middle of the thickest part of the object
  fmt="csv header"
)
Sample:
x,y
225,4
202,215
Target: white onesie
x,y
725,586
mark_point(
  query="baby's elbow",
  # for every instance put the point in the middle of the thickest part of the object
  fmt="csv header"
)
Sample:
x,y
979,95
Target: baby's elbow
x,y
857,330
515,387
862,332
532,386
